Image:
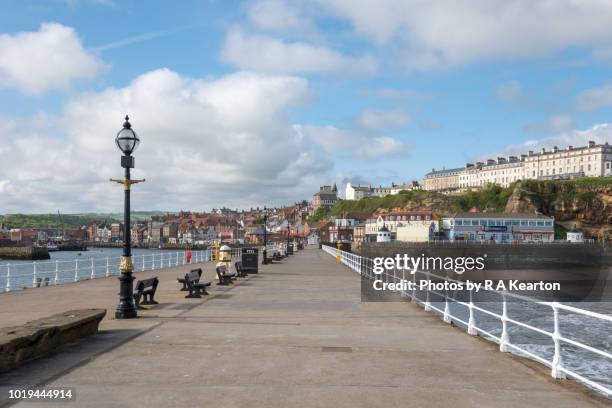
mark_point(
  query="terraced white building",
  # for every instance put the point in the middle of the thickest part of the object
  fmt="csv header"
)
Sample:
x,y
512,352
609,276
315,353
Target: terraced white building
x,y
592,160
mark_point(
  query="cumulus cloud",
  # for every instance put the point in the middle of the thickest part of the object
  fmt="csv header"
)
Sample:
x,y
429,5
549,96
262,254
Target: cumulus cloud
x,y
376,119
511,92
355,144
438,37
595,98
600,133
268,54
204,143
51,58
404,94
275,15
383,146
554,124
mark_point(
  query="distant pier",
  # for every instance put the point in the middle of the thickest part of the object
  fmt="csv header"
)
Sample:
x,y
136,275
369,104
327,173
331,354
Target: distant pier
x,y
24,253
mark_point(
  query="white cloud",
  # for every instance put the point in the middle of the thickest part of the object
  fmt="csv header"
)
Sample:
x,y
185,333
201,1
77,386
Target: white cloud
x,y
353,144
275,15
600,133
511,91
268,54
595,98
554,124
50,58
375,119
204,143
406,94
435,35
380,147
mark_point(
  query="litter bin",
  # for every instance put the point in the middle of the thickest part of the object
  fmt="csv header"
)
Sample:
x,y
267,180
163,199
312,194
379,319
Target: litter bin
x,y
250,260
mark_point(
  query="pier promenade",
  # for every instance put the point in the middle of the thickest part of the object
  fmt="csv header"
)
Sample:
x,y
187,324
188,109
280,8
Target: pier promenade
x,y
297,334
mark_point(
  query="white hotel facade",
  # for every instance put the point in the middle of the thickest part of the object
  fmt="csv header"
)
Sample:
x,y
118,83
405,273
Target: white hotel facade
x,y
593,160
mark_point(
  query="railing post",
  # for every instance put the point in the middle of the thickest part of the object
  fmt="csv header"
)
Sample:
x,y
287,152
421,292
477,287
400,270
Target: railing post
x,y
447,317
153,261
8,278
107,267
56,278
143,261
557,362
427,306
93,275
76,270
471,329
177,261
505,338
34,274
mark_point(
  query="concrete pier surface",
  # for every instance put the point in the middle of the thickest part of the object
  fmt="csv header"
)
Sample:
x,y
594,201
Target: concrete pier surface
x,y
297,334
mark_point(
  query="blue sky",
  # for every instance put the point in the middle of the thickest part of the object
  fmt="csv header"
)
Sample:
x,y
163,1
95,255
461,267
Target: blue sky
x,y
245,103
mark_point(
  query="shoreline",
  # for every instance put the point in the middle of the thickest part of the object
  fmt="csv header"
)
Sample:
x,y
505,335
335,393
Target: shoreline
x,y
27,253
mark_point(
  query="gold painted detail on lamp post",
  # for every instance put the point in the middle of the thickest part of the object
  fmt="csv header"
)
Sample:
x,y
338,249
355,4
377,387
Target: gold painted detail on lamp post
x,y
127,183
126,264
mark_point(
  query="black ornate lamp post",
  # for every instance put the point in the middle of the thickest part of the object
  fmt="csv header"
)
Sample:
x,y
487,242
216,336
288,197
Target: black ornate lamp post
x,y
265,248
288,235
127,141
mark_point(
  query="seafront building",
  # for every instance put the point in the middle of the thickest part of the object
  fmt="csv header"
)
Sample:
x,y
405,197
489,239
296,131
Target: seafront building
x,y
410,226
592,160
357,192
499,227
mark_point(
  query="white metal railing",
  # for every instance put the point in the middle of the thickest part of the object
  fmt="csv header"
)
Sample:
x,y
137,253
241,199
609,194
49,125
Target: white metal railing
x,y
363,266
21,275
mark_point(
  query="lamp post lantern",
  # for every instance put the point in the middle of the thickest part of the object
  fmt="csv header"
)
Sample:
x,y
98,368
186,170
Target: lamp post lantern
x,y
127,141
265,237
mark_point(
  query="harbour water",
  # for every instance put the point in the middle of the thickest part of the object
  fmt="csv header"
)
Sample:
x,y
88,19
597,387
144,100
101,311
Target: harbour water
x,y
584,329
71,266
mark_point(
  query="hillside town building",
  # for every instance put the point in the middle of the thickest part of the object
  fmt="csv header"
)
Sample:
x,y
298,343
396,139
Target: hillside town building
x,y
357,192
325,197
592,160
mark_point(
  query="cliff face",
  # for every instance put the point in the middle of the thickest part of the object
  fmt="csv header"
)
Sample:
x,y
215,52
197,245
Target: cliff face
x,y
588,205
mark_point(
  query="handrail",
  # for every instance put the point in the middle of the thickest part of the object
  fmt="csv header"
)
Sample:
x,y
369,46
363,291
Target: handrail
x,y
558,369
59,271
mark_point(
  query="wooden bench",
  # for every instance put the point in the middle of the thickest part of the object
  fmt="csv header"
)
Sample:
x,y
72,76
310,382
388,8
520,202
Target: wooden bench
x,y
145,288
184,282
241,272
225,278
194,286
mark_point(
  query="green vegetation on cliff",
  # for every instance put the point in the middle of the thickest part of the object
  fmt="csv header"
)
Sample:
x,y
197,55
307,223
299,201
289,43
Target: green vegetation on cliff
x,y
490,198
70,221
585,202
371,204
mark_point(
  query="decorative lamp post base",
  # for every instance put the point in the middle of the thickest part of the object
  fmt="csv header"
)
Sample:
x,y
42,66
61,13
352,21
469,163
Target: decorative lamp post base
x,y
126,308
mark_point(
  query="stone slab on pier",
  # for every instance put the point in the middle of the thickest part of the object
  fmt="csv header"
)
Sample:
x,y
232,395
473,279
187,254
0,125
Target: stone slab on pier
x,y
297,334
37,338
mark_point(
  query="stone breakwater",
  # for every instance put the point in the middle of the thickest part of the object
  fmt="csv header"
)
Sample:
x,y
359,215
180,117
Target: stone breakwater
x,y
24,253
